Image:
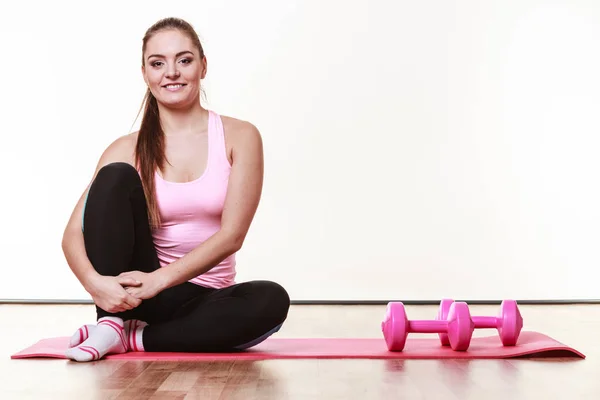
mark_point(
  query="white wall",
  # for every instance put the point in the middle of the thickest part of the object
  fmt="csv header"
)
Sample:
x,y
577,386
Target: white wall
x,y
414,150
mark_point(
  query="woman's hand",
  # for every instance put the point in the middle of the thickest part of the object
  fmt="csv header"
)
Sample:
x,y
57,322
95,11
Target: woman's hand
x,y
151,284
108,293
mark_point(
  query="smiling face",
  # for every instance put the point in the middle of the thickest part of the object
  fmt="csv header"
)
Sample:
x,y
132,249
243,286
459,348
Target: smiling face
x,y
173,67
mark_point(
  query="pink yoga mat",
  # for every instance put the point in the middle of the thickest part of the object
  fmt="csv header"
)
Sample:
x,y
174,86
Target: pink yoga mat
x,y
529,344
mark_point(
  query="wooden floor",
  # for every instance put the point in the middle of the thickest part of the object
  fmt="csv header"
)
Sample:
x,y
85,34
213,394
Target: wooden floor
x,y
568,379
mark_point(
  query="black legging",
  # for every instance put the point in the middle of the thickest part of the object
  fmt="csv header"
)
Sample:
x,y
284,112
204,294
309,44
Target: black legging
x,y
186,317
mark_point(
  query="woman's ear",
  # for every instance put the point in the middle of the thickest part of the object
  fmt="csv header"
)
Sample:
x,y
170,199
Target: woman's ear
x,y
204,67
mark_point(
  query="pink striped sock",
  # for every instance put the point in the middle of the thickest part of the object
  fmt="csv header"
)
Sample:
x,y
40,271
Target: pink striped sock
x,y
107,338
81,335
134,329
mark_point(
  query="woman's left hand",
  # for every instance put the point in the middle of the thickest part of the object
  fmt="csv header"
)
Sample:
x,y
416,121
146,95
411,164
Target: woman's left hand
x,y
150,287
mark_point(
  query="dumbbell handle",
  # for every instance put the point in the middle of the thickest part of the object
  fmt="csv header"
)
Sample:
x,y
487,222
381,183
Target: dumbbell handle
x,y
486,322
428,326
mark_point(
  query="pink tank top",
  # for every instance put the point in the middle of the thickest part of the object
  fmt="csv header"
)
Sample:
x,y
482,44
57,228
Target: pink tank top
x,y
191,211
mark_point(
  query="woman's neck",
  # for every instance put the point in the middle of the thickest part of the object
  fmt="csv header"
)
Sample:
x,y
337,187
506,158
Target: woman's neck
x,y
183,122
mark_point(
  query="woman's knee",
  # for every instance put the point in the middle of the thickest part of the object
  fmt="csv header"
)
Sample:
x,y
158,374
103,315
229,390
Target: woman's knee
x,y
276,299
271,307
118,174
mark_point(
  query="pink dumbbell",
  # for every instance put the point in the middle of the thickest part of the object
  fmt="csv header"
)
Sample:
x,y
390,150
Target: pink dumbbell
x,y
457,325
508,322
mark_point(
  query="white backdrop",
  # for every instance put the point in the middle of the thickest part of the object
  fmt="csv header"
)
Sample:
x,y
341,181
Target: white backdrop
x,y
413,150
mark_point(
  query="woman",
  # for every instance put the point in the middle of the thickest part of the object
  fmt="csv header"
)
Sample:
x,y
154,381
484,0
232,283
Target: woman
x,y
153,238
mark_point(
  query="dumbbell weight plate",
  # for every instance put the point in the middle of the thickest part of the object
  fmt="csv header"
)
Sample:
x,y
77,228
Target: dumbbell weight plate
x,y
442,315
394,326
512,323
460,326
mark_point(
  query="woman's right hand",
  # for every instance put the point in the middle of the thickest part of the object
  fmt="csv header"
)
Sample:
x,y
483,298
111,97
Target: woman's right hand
x,y
108,293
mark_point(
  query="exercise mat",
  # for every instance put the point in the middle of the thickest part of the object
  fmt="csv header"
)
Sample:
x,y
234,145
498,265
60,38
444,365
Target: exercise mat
x,y
531,344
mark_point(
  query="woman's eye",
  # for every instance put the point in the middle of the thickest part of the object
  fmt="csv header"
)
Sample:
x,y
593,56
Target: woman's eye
x,y
159,63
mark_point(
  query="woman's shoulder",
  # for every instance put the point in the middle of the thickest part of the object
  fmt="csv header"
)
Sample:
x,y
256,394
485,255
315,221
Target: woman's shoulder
x,y
122,149
239,130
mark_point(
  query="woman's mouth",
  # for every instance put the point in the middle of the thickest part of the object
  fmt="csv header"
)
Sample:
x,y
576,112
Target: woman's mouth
x,y
174,87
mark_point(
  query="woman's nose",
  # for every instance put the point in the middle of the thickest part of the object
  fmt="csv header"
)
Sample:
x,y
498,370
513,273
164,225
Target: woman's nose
x,y
173,72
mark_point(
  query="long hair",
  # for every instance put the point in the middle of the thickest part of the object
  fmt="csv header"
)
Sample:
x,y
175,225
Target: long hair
x,y
150,146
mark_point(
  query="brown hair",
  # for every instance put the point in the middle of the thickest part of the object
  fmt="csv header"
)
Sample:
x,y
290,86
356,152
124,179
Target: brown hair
x,y
150,147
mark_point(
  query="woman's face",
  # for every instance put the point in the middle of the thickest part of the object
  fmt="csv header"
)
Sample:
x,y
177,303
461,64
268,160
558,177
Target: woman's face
x,y
173,69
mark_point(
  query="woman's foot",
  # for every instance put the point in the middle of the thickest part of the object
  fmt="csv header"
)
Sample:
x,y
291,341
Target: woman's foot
x,y
134,329
108,337
81,335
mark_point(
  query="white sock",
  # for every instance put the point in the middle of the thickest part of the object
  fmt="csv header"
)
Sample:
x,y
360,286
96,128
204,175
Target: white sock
x,y
135,329
107,338
81,335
